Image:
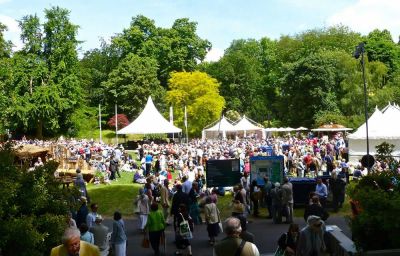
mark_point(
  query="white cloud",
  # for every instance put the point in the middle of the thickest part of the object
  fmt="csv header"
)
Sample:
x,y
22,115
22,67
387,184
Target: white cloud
x,y
13,33
4,1
366,15
214,54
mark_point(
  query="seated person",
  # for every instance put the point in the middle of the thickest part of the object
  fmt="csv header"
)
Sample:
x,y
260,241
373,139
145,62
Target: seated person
x,y
139,178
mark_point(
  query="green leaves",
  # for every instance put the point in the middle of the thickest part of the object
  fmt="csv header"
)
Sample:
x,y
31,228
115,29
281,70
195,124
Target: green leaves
x,y
200,94
131,82
33,207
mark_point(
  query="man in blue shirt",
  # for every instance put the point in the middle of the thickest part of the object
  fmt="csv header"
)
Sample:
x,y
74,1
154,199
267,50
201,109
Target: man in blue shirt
x,y
149,161
322,191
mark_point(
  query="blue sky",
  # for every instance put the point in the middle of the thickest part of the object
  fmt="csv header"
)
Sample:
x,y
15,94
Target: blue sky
x,y
219,21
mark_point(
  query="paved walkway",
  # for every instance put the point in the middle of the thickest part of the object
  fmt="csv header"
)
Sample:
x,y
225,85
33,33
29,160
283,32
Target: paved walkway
x,y
266,236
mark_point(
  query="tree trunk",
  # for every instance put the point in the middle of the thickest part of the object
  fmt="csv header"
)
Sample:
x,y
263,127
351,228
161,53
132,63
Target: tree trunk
x,y
39,129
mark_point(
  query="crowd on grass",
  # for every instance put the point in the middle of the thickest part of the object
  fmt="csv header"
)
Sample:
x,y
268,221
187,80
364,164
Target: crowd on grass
x,y
185,202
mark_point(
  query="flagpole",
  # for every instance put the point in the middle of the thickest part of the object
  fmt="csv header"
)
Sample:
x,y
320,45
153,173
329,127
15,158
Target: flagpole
x,y
101,139
116,124
171,119
187,137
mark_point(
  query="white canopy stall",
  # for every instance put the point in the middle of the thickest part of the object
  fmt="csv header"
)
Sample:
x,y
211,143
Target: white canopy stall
x,y
223,125
383,126
246,125
150,121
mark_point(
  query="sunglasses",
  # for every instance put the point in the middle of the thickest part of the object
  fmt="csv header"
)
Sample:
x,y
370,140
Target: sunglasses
x,y
318,225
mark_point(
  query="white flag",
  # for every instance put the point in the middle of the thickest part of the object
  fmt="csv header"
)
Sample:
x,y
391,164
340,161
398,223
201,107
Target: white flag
x,y
171,115
185,118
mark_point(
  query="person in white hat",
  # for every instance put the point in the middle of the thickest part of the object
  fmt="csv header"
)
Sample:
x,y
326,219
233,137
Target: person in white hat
x,y
311,240
100,232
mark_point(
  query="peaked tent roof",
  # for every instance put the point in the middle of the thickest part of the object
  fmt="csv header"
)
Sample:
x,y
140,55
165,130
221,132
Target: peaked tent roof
x,y
245,125
221,126
381,126
373,125
150,121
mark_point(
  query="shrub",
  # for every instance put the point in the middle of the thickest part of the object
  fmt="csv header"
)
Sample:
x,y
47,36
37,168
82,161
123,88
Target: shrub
x,y
377,226
33,207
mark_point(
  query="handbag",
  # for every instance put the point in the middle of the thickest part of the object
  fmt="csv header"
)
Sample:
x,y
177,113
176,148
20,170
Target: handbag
x,y
145,241
184,229
279,251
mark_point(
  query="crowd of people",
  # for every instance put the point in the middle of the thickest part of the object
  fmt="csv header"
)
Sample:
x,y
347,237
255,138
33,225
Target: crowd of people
x,y
174,192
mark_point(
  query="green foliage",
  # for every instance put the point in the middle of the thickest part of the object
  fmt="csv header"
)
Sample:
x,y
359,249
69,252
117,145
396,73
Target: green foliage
x,y
130,84
384,153
378,224
33,207
233,115
78,128
5,46
200,94
178,48
326,117
42,86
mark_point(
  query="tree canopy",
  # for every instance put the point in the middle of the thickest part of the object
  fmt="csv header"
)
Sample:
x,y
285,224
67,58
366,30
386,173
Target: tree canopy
x,y
304,79
199,93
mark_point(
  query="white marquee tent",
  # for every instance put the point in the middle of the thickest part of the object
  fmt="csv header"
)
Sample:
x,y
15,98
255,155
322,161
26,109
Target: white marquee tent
x,y
150,121
246,125
223,126
383,126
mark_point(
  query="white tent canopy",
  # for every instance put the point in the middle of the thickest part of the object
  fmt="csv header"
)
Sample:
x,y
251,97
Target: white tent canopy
x,y
383,126
223,126
150,121
246,125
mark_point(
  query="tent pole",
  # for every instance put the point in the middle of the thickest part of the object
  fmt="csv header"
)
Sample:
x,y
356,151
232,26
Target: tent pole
x,y
116,124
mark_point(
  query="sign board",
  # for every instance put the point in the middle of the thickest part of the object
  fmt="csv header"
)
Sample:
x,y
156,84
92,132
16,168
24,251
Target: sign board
x,y
223,173
271,166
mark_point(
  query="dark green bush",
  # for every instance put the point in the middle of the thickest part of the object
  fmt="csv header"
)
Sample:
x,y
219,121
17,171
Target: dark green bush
x,y
377,226
33,207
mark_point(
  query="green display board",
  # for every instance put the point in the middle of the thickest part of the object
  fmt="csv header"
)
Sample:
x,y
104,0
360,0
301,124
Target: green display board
x,y
272,166
223,173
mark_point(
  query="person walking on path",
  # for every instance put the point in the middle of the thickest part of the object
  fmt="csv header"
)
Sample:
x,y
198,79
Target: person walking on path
x,y
142,202
316,209
118,236
165,204
155,226
100,233
182,242
179,198
287,200
91,217
276,196
211,214
311,240
232,244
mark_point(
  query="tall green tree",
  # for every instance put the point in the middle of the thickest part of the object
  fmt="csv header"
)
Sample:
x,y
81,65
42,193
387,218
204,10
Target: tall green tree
x,y
200,94
178,48
5,45
380,47
241,74
45,86
129,85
